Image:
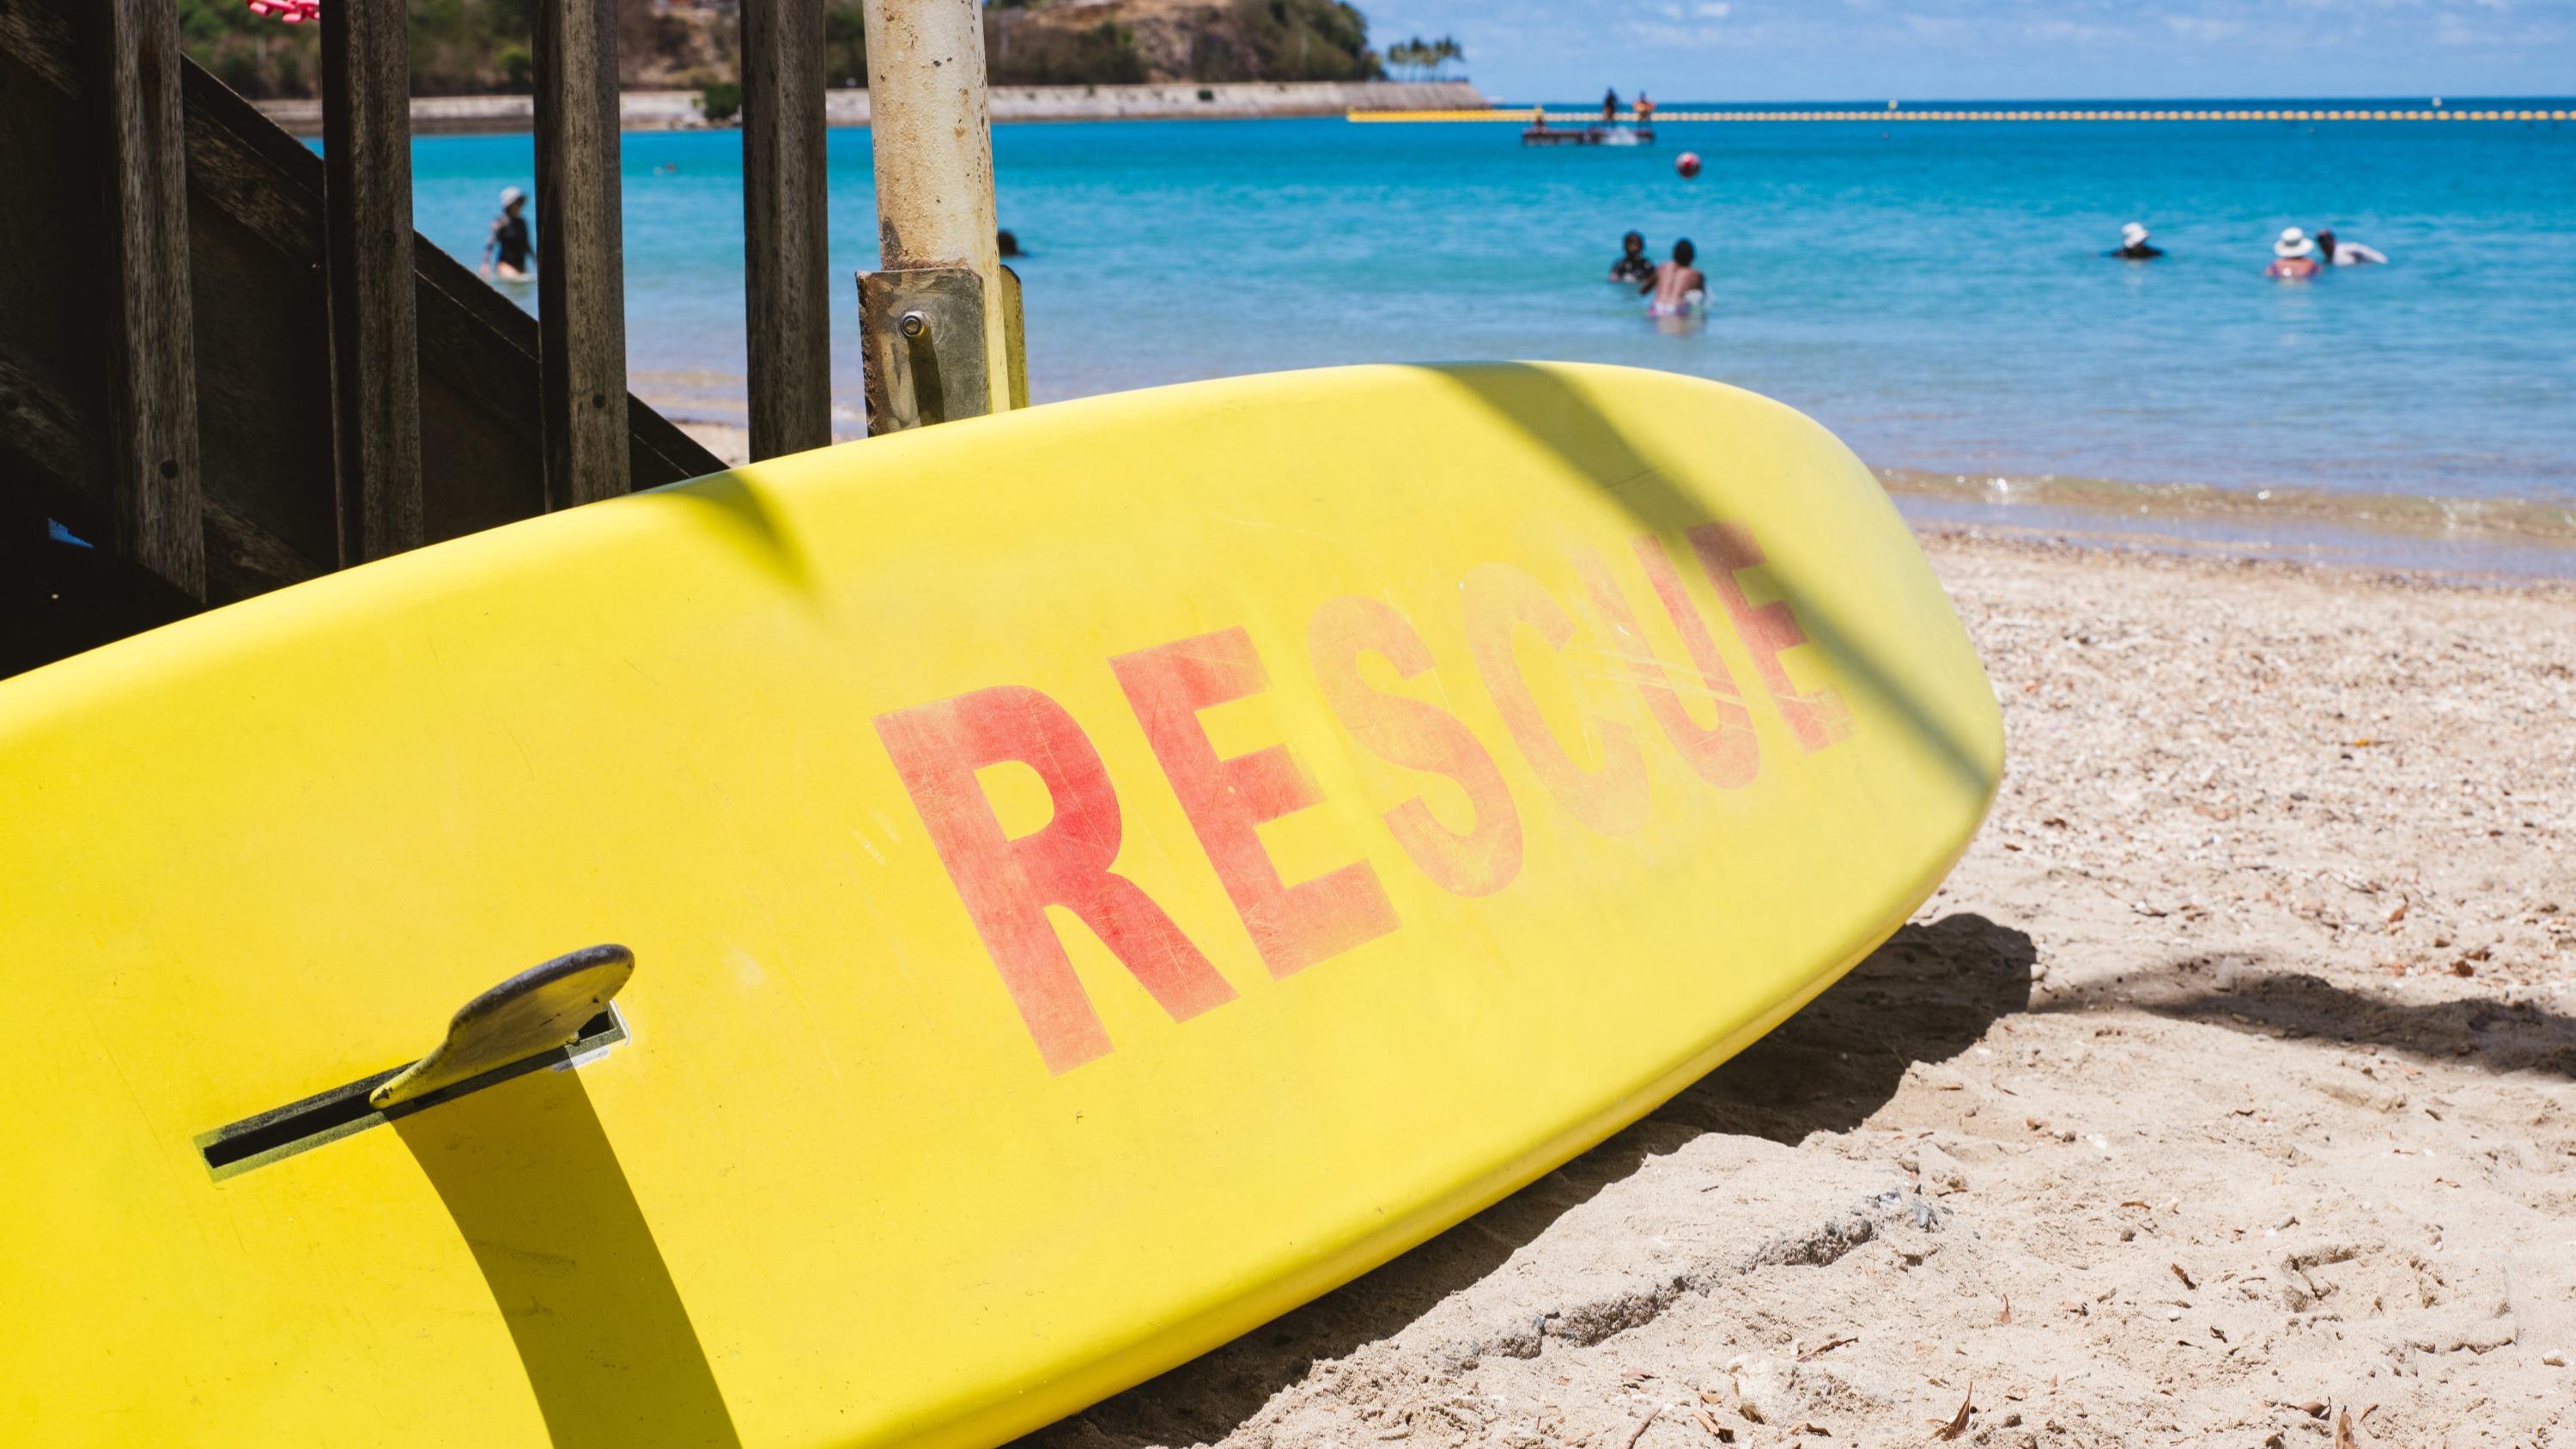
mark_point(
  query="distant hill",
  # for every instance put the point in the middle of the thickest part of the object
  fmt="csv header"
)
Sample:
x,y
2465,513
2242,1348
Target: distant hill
x,y
1099,42
467,47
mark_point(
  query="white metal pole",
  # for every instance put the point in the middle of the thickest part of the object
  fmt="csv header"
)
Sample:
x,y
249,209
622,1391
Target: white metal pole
x,y
933,136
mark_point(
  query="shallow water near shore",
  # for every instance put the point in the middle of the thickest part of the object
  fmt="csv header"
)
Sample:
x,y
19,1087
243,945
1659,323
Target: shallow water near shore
x,y
1934,293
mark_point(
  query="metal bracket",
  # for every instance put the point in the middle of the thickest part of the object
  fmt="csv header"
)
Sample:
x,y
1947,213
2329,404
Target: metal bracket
x,y
1015,338
922,336
922,346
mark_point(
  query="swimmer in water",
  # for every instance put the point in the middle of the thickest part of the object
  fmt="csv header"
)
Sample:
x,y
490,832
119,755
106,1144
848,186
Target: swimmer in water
x,y
2133,244
1678,287
508,244
2334,253
1633,264
2294,257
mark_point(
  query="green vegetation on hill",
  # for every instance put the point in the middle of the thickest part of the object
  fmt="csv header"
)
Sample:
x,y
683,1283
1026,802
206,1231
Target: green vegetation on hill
x,y
464,47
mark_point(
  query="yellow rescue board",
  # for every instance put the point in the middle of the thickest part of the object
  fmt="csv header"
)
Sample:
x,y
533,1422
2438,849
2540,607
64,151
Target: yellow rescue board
x,y
1097,878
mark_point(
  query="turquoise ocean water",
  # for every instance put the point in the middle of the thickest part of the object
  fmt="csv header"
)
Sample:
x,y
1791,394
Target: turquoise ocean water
x,y
1934,293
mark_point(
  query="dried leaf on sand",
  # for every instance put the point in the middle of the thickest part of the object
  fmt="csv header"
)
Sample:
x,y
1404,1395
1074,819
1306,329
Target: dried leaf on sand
x,y
1958,1424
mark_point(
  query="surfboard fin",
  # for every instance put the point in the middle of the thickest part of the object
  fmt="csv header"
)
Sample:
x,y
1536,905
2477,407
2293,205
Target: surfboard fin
x,y
536,1011
548,1016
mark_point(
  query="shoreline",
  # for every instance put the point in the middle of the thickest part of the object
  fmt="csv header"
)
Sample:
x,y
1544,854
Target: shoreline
x,y
2494,541
677,110
2461,539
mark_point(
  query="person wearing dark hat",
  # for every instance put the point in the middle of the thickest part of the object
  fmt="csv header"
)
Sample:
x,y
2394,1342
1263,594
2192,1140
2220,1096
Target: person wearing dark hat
x,y
1633,264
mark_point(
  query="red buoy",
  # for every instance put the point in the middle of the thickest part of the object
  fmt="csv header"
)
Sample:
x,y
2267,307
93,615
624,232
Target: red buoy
x,y
1687,164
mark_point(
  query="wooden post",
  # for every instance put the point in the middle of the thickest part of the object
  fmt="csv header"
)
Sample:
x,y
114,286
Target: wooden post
x,y
785,227
581,287
375,349
156,486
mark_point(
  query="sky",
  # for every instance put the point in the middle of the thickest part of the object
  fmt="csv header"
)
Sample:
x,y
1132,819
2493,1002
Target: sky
x,y
2005,49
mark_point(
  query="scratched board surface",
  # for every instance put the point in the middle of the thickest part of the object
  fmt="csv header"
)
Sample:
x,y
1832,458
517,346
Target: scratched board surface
x,y
1099,877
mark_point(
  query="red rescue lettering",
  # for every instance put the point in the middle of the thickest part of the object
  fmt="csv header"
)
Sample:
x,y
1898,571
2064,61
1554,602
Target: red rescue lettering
x,y
1293,927
1727,753
1611,798
1007,884
1817,719
1417,736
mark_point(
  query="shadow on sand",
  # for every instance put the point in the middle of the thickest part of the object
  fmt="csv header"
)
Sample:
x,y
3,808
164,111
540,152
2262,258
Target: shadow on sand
x,y
1927,995
2496,1035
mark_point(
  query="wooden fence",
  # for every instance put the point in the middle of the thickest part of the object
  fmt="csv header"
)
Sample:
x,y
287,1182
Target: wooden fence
x,y
114,421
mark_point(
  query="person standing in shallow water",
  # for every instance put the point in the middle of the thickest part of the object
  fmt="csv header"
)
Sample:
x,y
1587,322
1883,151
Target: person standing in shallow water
x,y
508,246
1633,264
1678,285
2294,257
1610,104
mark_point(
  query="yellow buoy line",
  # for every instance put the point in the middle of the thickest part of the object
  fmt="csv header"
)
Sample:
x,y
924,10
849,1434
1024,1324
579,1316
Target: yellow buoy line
x,y
1578,118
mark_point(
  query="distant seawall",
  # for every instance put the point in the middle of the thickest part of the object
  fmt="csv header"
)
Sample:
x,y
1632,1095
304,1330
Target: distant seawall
x,y
1177,100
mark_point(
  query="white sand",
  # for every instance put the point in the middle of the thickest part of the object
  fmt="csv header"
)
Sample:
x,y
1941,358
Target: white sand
x,y
2237,1056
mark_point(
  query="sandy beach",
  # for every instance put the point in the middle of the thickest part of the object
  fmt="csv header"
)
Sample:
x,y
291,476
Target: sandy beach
x,y
2226,1094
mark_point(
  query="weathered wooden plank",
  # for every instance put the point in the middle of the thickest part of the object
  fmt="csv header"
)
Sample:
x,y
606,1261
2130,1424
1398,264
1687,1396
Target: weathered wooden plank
x,y
44,428
243,558
581,290
48,432
134,63
785,227
251,179
375,352
259,176
42,41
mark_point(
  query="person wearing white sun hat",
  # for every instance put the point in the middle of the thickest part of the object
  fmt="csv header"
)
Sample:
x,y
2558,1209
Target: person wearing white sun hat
x,y
508,244
2294,257
2133,244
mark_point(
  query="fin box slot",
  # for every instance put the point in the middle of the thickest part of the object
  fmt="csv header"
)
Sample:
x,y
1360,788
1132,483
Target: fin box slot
x,y
282,1132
